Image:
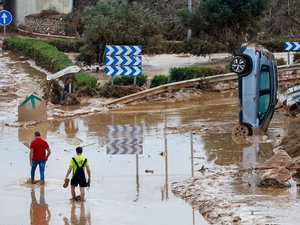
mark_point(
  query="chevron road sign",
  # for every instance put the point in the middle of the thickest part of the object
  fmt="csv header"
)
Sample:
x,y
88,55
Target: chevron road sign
x,y
123,70
124,139
123,60
123,50
292,46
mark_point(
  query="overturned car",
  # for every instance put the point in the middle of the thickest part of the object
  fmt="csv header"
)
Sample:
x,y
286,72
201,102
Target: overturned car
x,y
257,86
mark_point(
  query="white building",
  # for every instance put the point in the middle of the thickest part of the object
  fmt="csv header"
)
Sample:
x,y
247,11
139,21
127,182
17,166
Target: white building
x,y
22,8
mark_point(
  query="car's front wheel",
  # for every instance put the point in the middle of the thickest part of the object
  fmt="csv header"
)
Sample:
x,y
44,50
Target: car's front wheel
x,y
240,133
238,65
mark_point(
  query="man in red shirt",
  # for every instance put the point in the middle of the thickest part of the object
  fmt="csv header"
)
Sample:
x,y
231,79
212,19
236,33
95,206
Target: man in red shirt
x,y
38,156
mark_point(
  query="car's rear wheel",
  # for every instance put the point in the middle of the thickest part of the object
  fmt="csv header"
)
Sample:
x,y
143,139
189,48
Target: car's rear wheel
x,y
240,133
238,65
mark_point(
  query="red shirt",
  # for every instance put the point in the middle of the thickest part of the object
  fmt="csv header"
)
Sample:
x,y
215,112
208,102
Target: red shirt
x,y
39,147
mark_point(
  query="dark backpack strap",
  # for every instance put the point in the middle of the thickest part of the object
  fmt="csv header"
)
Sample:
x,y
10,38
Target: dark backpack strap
x,y
75,162
84,162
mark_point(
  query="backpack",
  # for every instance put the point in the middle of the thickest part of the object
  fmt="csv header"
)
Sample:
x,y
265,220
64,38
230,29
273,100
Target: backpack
x,y
79,175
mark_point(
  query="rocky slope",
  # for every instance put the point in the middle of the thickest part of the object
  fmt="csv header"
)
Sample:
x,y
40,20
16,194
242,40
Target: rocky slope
x,y
283,19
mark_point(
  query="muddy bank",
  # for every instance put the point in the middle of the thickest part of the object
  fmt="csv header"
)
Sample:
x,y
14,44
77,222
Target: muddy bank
x,y
291,142
228,195
249,194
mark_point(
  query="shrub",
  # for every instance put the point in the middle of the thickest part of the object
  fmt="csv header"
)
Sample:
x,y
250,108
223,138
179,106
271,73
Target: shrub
x,y
274,45
201,47
84,79
66,45
191,72
296,57
45,55
129,80
174,47
117,22
48,57
159,80
117,91
280,61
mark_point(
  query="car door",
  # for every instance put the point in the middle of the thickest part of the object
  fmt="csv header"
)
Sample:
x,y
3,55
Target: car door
x,y
264,93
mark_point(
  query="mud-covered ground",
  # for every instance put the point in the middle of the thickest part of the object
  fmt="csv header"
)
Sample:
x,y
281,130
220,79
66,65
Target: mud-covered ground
x,y
230,194
224,190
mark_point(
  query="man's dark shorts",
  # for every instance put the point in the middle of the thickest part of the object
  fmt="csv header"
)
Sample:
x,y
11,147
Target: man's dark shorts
x,y
81,183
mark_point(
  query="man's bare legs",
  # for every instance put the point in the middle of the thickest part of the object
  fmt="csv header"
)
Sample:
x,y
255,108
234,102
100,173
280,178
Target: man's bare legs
x,y
73,192
82,194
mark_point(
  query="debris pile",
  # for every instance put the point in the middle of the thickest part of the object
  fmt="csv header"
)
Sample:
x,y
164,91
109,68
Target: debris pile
x,y
279,170
291,141
56,94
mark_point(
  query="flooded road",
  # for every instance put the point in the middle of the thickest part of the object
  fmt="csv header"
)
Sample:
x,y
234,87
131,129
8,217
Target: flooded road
x,y
179,138
125,189
122,192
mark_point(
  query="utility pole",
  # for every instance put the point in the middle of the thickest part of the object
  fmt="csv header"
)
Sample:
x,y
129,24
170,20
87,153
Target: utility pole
x,y
189,32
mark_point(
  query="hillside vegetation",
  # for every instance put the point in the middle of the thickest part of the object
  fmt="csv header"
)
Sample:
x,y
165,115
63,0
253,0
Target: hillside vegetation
x,y
282,19
160,26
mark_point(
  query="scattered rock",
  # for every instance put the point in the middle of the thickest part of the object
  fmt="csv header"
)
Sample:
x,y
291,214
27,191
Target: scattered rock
x,y
236,219
149,171
202,169
163,153
276,178
280,159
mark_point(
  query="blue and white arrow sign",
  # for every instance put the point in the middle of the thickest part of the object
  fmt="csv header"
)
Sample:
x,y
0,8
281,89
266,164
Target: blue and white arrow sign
x,y
123,70
5,17
292,46
123,50
124,60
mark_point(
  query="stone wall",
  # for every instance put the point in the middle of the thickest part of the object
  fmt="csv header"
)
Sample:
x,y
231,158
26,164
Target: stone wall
x,y
21,8
54,26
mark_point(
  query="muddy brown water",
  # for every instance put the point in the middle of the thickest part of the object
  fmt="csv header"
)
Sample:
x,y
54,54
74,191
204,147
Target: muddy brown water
x,y
179,137
122,192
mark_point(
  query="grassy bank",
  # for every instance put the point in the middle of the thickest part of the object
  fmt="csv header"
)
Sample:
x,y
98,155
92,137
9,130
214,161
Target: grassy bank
x,y
46,56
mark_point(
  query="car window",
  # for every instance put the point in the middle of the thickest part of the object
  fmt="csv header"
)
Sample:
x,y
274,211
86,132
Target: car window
x,y
265,83
264,102
264,92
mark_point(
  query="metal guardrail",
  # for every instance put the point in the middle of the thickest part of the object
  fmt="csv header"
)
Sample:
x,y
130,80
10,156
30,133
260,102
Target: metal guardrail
x,y
288,67
188,83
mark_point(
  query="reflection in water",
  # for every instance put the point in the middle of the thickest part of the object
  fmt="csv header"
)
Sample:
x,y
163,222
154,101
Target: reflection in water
x,y
165,189
221,150
78,219
71,128
137,179
39,211
252,155
26,134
